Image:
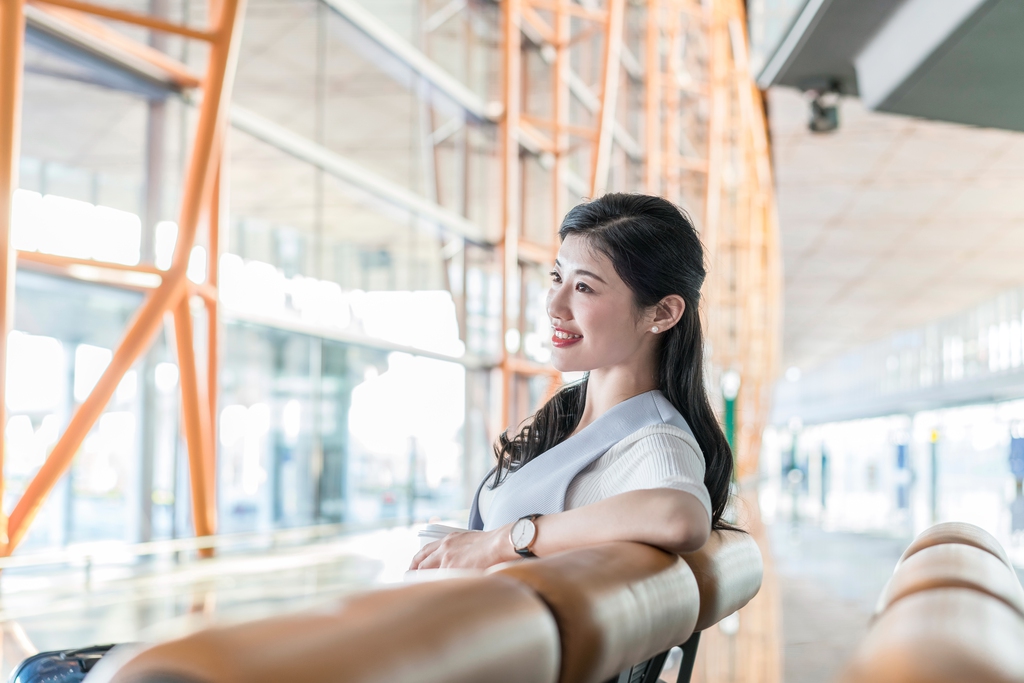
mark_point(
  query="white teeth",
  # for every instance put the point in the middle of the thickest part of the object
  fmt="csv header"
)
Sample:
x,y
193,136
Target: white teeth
x,y
566,335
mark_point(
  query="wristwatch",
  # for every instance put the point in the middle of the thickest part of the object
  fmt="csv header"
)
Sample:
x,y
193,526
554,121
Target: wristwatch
x,y
523,534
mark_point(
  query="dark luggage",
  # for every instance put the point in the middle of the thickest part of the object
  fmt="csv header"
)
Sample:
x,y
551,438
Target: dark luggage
x,y
59,666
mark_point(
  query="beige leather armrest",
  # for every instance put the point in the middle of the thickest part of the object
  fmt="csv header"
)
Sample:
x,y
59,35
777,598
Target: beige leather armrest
x,y
616,605
473,630
953,565
957,532
728,569
946,635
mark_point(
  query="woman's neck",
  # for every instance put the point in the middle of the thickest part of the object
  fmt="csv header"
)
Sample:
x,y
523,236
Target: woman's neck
x,y
608,387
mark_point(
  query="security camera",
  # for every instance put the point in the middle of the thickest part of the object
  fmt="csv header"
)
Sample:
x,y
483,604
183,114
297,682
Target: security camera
x,y
824,111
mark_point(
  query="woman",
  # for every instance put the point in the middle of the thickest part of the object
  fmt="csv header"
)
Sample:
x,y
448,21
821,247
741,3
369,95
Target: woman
x,y
633,452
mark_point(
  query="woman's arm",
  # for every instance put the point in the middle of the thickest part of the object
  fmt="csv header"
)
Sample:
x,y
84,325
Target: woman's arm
x,y
666,518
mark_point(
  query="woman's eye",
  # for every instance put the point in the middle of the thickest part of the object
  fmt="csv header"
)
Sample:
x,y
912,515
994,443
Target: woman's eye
x,y
555,277
580,287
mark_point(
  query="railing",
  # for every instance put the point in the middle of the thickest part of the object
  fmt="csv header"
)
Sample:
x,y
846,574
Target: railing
x,y
952,611
604,613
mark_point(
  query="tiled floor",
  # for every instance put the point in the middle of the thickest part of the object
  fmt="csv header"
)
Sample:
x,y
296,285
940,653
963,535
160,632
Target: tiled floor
x,y
829,583
54,609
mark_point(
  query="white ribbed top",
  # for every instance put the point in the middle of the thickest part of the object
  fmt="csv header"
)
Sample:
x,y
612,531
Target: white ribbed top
x,y
655,457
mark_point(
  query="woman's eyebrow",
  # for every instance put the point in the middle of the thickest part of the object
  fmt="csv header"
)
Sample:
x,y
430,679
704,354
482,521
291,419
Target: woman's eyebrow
x,y
585,272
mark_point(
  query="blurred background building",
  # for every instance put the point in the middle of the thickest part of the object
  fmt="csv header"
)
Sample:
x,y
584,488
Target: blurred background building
x,y
368,358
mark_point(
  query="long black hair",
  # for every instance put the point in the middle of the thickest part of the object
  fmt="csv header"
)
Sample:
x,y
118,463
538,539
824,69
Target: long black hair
x,y
654,248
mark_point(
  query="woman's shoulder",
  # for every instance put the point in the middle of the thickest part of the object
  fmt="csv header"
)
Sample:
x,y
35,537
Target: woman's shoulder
x,y
658,436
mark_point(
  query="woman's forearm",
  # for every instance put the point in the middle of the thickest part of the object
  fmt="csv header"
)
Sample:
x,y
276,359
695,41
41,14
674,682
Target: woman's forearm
x,y
666,518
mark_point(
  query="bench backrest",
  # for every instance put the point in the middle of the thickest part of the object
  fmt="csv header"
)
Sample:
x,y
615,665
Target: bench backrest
x,y
615,605
581,616
728,569
952,611
459,630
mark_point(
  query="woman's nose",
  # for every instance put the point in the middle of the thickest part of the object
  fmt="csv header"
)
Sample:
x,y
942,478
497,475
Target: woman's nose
x,y
556,305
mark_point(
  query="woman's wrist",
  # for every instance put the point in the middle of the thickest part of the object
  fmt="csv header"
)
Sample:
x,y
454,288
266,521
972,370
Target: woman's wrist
x,y
506,550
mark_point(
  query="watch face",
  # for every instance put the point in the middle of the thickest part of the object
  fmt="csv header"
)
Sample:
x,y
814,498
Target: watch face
x,y
523,532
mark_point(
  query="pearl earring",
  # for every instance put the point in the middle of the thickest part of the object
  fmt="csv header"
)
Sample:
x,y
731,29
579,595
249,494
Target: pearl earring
x,y
654,329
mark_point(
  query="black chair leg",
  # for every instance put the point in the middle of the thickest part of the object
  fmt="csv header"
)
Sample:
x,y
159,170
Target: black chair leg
x,y
654,667
689,658
650,671
644,672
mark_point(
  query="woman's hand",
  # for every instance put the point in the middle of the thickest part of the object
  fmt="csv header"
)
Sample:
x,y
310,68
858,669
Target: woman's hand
x,y
466,550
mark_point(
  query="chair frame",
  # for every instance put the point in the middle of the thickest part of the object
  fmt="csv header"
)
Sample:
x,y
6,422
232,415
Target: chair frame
x,y
650,670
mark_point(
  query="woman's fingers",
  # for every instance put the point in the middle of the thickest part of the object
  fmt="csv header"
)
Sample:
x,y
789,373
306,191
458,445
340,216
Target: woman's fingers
x,y
432,561
458,549
424,552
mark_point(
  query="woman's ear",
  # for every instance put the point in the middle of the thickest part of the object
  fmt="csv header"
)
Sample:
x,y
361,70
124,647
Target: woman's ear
x,y
668,312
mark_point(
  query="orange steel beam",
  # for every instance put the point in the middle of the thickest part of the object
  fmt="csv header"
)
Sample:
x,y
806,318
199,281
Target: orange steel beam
x,y
510,187
584,132
717,130
673,120
741,232
169,295
567,26
561,129
196,422
213,322
534,137
652,101
571,10
176,72
538,254
609,95
530,16
92,271
130,18
12,41
198,413
64,261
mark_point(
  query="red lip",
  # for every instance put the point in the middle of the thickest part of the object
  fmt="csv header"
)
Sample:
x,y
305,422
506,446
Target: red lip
x,y
560,343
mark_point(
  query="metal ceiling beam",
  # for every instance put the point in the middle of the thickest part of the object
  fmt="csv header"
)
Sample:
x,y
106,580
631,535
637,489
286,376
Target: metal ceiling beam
x,y
468,361
380,42
796,36
416,71
355,175
88,48
914,33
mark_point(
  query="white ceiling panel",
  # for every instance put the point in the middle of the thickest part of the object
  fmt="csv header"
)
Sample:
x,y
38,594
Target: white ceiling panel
x,y
853,238
937,239
889,222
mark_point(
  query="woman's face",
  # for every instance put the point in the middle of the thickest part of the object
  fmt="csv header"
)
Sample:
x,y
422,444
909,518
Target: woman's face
x,y
591,310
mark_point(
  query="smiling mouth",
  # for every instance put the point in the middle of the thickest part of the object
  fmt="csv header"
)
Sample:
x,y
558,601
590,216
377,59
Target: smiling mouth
x,y
560,338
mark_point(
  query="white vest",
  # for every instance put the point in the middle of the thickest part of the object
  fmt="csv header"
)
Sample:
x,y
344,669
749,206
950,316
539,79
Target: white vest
x,y
539,486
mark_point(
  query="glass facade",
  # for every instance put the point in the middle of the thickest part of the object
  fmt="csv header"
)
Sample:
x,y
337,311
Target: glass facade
x,y
358,339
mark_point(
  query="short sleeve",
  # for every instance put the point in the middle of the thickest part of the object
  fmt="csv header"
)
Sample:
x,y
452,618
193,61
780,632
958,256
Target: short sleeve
x,y
660,456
